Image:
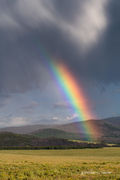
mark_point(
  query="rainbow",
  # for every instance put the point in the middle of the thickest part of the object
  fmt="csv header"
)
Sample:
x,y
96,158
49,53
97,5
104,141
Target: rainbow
x,y
74,95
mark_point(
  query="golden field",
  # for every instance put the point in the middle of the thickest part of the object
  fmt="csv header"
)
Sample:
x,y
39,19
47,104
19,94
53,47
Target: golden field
x,y
74,164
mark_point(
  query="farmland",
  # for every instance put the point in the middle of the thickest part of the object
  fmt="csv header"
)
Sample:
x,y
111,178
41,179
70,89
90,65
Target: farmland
x,y
103,163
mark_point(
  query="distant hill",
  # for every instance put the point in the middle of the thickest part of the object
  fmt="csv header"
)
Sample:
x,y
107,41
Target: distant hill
x,y
17,141
109,130
45,133
103,125
25,129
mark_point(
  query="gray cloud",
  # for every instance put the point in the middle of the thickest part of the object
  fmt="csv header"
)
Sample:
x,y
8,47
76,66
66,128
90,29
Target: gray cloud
x,y
30,107
4,100
82,22
11,121
62,105
84,34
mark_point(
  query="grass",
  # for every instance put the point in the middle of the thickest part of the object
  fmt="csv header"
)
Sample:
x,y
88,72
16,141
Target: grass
x,y
60,164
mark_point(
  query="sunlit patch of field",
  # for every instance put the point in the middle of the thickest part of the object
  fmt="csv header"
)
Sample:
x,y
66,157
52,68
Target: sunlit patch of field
x,y
60,164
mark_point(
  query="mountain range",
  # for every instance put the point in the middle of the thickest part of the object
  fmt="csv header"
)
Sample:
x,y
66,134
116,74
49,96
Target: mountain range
x,y
109,130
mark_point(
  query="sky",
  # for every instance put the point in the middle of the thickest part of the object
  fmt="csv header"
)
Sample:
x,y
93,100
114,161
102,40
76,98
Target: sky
x,y
82,34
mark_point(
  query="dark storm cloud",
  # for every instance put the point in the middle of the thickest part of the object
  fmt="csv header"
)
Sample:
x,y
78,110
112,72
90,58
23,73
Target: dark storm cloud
x,y
104,60
67,9
84,34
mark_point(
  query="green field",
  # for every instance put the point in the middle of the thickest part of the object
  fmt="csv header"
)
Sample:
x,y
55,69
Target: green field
x,y
60,164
